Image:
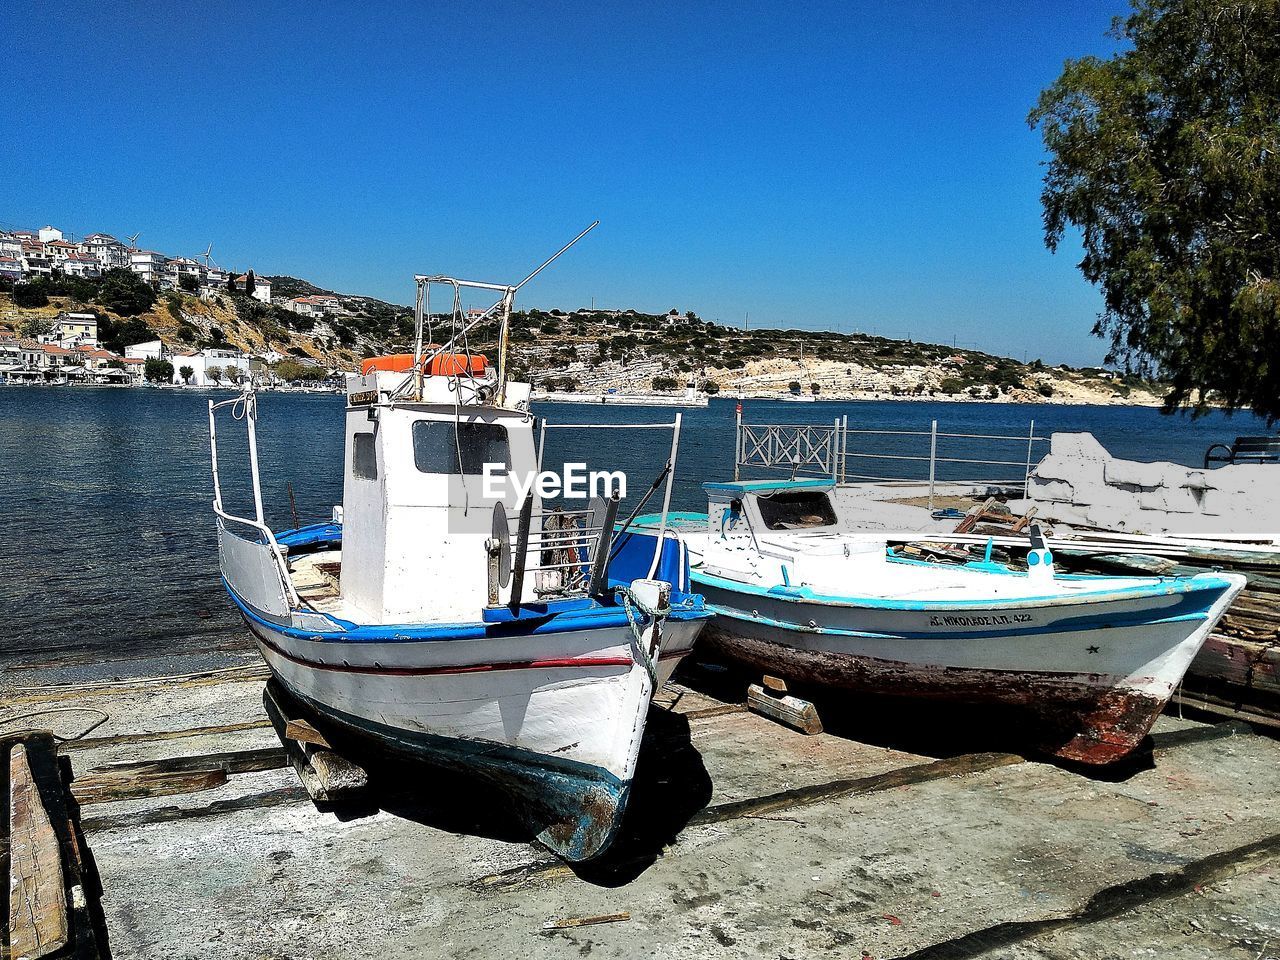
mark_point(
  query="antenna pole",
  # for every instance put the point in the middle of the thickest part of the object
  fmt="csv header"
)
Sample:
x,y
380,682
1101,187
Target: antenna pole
x,y
556,255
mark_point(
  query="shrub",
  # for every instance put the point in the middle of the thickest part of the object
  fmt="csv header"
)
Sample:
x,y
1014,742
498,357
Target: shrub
x,y
1045,389
31,294
950,385
124,292
710,387
158,371
665,383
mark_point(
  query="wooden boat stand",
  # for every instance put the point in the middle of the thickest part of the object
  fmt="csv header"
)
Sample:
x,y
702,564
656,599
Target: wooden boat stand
x,y
328,777
51,886
771,699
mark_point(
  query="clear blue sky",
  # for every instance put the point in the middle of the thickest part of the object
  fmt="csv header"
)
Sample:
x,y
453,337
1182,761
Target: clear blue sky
x,y
841,166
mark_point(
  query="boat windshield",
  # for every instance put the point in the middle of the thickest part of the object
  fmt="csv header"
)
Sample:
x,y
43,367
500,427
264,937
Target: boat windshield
x,y
800,510
438,449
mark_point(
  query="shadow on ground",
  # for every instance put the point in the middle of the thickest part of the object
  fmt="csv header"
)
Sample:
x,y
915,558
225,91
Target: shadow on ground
x,y
670,786
933,728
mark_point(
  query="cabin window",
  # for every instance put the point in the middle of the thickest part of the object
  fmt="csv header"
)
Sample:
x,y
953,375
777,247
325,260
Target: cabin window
x,y
438,449
796,511
364,457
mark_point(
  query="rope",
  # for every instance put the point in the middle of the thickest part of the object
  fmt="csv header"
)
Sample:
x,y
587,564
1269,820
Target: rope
x,y
103,717
631,603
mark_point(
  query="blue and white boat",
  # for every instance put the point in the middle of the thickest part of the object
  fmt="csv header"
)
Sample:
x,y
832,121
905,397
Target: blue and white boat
x,y
1093,660
488,633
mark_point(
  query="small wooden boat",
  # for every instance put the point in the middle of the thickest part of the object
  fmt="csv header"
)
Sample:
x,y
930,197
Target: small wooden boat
x,y
1093,659
418,618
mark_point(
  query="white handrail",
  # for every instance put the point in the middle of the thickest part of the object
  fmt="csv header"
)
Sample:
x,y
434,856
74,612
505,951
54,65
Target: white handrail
x,y
251,417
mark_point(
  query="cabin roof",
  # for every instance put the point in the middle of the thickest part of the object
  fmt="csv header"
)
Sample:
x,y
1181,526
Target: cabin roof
x,y
744,487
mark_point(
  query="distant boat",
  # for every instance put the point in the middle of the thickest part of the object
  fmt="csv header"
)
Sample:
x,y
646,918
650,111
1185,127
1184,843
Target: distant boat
x,y
417,618
1092,660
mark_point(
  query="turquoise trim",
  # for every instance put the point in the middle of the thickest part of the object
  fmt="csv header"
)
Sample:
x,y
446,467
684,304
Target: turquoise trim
x,y
1067,625
1153,588
744,487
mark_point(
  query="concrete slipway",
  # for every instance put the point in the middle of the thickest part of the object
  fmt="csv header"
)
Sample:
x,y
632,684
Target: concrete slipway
x,y
900,832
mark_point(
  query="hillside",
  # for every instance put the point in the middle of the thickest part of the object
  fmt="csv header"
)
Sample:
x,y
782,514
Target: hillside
x,y
593,351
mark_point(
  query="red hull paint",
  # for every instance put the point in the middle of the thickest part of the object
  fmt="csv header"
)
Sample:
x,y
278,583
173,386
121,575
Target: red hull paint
x,y
1083,717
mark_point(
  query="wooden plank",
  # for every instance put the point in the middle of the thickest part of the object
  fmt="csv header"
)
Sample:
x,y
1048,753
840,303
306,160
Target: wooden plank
x,y
304,732
229,761
1243,663
337,774
792,711
107,788
38,925
121,739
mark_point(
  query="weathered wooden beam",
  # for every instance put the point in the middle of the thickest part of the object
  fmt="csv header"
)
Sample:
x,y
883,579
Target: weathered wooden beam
x,y
327,776
122,739
38,925
108,787
792,711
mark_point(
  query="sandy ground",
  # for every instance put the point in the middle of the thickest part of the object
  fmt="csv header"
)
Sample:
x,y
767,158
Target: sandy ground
x,y
898,833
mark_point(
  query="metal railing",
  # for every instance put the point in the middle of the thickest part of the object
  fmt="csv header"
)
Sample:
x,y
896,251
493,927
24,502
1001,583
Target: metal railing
x,y
245,407
901,457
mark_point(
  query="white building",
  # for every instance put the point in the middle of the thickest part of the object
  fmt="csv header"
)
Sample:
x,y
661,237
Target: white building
x,y
80,265
148,264
316,306
71,330
48,234
150,350
261,287
110,253
232,365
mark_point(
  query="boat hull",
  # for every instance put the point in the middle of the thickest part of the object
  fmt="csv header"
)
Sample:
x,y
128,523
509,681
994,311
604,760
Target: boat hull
x,y
1094,675
553,720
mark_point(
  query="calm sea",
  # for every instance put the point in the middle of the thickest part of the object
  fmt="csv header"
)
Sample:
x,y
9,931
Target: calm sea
x,y
107,546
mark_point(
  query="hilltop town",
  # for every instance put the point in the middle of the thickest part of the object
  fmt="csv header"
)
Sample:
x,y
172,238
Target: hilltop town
x,y
99,310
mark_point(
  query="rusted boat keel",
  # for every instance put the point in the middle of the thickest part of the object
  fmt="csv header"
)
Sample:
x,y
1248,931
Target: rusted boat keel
x,y
1084,718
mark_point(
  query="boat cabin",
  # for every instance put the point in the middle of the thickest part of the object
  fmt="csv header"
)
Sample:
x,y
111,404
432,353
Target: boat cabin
x,y
779,532
415,514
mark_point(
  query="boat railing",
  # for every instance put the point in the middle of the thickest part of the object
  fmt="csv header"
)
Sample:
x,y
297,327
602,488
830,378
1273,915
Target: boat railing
x,y
665,478
570,551
916,458
258,565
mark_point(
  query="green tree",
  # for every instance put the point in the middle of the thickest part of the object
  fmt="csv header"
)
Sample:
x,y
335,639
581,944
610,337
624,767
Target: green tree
x,y
214,373
665,383
710,387
186,373
33,293
1166,158
231,283
794,386
249,284
124,292
189,283
158,371
951,385
814,389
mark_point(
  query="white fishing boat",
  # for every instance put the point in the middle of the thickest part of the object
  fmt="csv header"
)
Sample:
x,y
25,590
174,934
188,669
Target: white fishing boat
x,y
1092,659
420,618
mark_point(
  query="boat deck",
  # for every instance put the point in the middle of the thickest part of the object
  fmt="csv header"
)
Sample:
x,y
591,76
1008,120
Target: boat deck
x,y
317,577
894,834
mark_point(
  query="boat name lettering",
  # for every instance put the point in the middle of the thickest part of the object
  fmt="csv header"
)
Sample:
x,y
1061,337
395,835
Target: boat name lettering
x,y
365,397
968,620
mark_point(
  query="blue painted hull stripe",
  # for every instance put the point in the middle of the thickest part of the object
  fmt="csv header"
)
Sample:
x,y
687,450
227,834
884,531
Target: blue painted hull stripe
x,y
572,621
